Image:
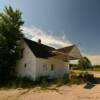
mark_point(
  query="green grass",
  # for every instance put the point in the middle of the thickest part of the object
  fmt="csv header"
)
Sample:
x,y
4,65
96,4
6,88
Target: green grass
x,y
96,69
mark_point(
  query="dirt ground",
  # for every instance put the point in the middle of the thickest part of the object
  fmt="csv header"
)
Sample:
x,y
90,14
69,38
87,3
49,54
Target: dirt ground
x,y
74,92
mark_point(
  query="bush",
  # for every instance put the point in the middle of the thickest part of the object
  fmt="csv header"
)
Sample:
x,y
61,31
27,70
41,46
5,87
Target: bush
x,y
66,78
87,77
76,80
19,82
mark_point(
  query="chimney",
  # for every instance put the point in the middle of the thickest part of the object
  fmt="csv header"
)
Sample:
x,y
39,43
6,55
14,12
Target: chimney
x,y
39,41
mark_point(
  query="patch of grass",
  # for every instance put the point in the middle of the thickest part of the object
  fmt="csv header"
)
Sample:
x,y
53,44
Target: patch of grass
x,y
96,69
76,80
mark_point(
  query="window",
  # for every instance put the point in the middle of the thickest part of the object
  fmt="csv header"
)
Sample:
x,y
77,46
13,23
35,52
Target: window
x,y
52,67
25,65
21,52
44,67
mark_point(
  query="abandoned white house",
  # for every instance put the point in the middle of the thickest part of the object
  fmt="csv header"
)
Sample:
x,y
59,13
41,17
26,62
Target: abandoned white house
x,y
42,60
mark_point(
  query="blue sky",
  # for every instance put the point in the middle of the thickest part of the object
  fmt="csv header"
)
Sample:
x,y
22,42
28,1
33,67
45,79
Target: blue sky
x,y
77,20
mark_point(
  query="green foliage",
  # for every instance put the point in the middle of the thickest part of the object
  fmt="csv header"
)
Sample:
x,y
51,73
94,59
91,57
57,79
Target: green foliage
x,y
10,37
84,63
87,77
76,80
19,82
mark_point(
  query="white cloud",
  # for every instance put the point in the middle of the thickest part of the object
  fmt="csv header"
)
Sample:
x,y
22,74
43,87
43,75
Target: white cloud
x,y
46,38
55,41
95,59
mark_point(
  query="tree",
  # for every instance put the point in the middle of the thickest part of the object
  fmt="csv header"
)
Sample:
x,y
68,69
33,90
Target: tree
x,y
84,63
10,37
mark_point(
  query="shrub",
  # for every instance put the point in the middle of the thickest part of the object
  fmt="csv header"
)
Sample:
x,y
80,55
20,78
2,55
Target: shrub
x,y
66,78
19,82
87,77
42,79
76,80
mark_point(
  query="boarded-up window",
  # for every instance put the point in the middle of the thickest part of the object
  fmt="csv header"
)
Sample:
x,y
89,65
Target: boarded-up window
x,y
25,65
52,67
44,67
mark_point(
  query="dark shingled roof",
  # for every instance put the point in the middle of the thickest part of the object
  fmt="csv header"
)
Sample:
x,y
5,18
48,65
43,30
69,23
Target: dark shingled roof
x,y
40,50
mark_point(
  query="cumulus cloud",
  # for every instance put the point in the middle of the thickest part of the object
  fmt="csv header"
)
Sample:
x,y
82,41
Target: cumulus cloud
x,y
95,59
34,33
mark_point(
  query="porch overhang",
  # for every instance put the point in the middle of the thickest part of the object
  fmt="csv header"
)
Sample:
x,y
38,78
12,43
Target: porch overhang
x,y
73,54
64,56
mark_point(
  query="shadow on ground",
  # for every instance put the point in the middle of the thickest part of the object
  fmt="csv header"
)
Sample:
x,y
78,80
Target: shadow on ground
x,y
89,86
97,80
